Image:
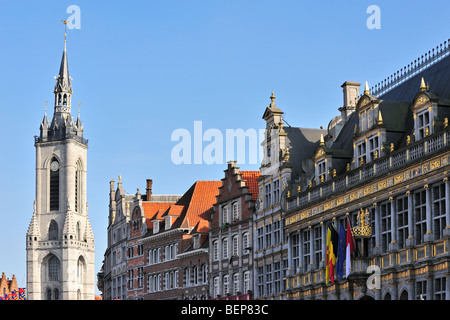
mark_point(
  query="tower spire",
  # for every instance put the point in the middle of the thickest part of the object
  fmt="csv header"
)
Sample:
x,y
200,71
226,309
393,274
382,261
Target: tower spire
x,y
63,85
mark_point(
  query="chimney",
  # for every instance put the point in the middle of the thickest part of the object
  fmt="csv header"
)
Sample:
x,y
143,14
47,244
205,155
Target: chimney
x,y
351,95
149,189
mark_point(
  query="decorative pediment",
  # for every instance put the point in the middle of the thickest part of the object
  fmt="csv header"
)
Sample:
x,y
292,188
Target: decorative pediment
x,y
421,100
320,152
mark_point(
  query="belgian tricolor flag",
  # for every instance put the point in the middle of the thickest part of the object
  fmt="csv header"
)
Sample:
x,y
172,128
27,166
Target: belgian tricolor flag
x,y
332,246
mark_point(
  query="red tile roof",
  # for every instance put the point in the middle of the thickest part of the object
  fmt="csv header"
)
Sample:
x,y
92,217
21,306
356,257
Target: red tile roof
x,y
191,210
251,181
202,200
153,210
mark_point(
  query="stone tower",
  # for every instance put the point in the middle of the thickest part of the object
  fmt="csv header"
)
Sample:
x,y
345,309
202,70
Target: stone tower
x,y
60,242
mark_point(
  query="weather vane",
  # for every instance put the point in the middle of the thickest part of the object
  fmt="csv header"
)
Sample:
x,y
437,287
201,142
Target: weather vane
x,y
65,28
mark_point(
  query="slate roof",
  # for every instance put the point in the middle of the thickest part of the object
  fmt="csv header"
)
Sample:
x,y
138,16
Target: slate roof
x,y
437,76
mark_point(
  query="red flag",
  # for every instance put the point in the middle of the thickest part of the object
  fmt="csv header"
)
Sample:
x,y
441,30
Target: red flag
x,y
350,248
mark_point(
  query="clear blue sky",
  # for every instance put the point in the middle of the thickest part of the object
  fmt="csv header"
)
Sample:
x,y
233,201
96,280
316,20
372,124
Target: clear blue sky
x,y
145,68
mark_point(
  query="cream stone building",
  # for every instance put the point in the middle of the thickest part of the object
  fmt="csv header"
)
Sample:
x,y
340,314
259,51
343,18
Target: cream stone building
x,y
60,242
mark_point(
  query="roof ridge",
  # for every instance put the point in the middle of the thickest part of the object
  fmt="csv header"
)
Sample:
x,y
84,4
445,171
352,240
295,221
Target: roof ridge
x,y
407,72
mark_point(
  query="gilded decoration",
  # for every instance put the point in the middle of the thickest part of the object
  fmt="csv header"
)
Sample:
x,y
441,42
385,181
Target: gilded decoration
x,y
363,228
420,101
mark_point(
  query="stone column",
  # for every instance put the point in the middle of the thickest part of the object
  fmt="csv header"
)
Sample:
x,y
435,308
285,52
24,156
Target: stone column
x,y
311,248
394,243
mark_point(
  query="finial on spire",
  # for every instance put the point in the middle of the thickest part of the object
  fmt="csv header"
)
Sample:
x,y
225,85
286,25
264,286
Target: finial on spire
x,y
366,88
380,118
423,87
272,97
322,141
65,32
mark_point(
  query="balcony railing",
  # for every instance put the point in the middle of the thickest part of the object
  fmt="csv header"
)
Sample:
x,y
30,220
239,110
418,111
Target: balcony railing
x,y
376,168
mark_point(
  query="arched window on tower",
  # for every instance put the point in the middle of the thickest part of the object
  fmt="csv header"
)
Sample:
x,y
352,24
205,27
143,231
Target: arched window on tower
x,y
59,99
53,231
65,100
53,268
80,269
54,185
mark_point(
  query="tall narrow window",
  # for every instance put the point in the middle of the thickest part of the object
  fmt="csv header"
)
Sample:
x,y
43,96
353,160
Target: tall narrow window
x,y
386,235
53,268
306,247
317,244
420,215
295,242
402,221
78,187
78,231
235,211
80,269
439,210
54,185
53,231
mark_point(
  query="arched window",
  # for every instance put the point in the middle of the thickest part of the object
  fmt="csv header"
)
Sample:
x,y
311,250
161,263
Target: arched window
x,y
54,185
56,294
59,99
79,294
53,268
65,100
53,230
80,269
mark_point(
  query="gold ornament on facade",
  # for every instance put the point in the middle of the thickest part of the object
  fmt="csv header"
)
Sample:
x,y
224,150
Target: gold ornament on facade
x,y
363,228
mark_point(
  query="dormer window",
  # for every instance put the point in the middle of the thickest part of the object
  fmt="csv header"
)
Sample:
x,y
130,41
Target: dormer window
x,y
425,112
168,223
368,150
155,226
321,170
423,124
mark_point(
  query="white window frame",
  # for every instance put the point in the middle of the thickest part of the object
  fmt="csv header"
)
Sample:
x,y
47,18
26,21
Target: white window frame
x,y
225,214
236,211
422,123
225,248
245,242
235,241
216,250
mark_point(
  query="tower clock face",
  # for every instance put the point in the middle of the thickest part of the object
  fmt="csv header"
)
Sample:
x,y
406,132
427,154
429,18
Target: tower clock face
x,y
54,166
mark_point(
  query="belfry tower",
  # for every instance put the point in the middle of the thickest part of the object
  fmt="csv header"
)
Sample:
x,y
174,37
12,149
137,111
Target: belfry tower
x,y
60,242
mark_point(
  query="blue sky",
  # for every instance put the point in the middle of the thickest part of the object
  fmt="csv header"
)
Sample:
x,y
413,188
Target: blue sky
x,y
143,69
